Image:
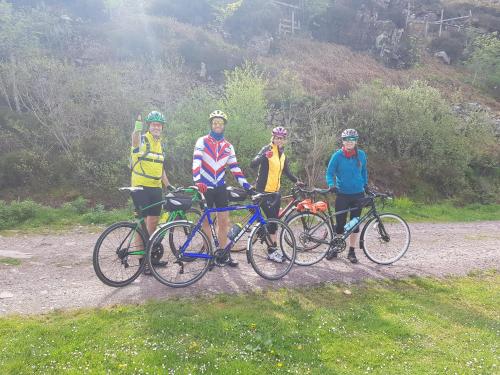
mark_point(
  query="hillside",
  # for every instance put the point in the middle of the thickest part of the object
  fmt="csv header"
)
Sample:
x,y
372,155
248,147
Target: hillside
x,y
74,75
328,69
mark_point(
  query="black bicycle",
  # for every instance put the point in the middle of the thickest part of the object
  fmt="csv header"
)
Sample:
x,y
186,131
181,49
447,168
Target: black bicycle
x,y
385,237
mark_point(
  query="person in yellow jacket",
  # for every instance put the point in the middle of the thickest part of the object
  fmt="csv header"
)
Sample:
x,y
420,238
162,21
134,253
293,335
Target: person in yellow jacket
x,y
272,163
148,171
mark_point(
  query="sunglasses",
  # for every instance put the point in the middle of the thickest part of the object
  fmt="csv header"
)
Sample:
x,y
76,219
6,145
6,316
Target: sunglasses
x,y
350,139
279,138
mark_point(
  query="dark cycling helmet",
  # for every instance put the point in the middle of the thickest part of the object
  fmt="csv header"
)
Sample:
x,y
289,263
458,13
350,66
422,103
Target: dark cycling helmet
x,y
217,113
350,133
155,116
280,131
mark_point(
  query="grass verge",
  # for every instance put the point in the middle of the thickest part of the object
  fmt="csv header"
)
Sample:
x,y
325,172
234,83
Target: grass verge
x,y
30,216
417,325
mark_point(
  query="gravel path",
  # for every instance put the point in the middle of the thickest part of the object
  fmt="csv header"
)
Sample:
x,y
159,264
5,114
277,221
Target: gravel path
x,y
56,270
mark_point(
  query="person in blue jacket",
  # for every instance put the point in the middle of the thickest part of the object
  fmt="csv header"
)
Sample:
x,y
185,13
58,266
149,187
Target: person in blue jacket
x,y
347,177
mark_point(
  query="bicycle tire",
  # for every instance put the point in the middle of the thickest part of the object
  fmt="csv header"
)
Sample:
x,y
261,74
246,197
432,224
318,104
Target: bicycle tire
x,y
257,250
311,246
191,211
175,264
119,256
394,230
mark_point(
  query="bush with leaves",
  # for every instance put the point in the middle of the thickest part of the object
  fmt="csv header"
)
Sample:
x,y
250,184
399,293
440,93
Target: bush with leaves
x,y
484,62
413,139
246,106
253,18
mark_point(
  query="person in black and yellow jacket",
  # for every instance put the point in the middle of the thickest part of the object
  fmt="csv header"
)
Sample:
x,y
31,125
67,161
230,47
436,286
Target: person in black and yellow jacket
x,y
147,164
272,163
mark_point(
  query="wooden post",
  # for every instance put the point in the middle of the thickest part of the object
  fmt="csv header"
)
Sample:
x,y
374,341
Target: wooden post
x,y
407,15
441,22
293,21
426,28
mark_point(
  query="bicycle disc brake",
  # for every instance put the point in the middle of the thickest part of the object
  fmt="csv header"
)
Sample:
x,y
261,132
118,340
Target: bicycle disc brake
x,y
221,257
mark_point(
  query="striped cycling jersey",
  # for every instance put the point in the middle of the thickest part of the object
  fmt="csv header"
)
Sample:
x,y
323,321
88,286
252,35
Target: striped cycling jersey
x,y
210,159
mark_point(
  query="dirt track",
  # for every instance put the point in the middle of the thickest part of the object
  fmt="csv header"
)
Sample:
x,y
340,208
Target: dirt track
x,y
56,270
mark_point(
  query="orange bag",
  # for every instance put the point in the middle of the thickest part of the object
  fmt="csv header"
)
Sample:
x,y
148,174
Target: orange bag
x,y
308,205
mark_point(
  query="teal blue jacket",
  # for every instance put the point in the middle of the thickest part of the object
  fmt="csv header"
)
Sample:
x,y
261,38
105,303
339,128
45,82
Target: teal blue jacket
x,y
345,174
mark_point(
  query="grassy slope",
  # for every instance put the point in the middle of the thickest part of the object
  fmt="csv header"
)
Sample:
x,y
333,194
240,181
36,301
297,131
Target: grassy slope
x,y
392,327
328,69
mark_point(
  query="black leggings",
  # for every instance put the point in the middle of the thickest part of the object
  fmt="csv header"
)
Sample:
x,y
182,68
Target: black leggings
x,y
343,202
271,207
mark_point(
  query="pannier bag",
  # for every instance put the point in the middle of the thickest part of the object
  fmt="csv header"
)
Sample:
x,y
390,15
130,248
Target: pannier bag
x,y
176,202
236,195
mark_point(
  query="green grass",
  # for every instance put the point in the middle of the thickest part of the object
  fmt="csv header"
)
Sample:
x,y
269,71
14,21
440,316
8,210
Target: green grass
x,y
417,325
10,261
442,212
30,216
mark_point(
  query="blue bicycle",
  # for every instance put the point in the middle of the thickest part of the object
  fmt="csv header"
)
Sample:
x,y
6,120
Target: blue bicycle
x,y
189,252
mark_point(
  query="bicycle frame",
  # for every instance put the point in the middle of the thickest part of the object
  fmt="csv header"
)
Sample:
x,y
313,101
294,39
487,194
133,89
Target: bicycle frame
x,y
371,213
257,216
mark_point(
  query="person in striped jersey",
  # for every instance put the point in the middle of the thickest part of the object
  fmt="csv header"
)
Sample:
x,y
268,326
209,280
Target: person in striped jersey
x,y
213,154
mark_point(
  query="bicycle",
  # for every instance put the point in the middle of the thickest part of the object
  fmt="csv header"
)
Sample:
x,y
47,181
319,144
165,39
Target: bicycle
x,y
385,237
297,194
119,253
192,253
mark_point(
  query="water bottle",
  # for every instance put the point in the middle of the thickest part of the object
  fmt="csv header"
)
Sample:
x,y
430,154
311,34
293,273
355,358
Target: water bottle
x,y
233,232
351,224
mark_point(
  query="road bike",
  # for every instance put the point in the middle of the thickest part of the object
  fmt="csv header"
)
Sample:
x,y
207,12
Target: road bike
x,y
119,253
189,253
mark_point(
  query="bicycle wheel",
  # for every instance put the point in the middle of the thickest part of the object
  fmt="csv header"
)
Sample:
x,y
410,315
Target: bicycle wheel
x,y
313,235
192,215
385,239
173,268
118,254
260,243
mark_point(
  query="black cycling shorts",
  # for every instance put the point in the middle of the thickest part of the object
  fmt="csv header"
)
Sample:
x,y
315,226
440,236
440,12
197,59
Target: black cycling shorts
x,y
343,202
217,196
271,207
146,197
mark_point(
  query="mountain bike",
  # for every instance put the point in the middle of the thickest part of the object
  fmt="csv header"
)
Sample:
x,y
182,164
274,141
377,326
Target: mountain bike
x,y
119,253
192,253
385,237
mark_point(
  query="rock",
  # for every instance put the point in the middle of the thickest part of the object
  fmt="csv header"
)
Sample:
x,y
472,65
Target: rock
x,y
4,295
443,56
347,292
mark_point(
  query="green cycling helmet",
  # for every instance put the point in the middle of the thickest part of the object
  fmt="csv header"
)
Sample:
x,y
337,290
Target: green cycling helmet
x,y
155,116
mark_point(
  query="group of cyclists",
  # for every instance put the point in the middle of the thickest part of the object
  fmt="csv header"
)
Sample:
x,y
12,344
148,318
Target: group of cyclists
x,y
346,175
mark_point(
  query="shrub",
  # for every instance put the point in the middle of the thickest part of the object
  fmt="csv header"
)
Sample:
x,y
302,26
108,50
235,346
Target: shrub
x,y
252,18
412,135
246,107
216,54
484,62
16,213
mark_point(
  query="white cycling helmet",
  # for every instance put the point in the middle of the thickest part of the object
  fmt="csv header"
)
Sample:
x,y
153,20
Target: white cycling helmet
x,y
350,133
